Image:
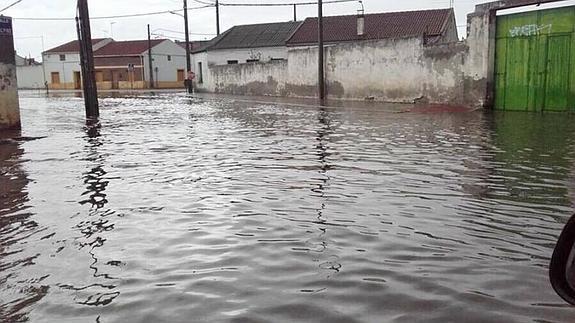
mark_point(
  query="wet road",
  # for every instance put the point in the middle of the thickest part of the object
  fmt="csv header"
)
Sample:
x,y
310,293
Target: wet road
x,y
205,210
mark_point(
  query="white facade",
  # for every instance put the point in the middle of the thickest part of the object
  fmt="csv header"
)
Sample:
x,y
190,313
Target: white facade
x,y
168,57
65,64
65,68
30,76
245,55
203,61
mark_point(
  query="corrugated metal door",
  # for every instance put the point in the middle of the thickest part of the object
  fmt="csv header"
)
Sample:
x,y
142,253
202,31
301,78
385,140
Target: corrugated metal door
x,y
535,61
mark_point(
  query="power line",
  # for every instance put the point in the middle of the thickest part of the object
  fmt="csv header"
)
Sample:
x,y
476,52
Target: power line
x,y
269,4
113,17
183,33
11,5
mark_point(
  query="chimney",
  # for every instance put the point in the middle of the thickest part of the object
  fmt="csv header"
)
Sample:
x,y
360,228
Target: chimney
x,y
361,20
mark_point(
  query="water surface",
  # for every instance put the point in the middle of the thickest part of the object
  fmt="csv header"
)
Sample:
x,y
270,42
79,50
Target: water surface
x,y
224,210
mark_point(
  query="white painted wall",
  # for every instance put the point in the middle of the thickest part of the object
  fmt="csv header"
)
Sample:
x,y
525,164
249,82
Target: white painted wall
x,y
393,70
30,76
66,68
201,58
167,70
264,54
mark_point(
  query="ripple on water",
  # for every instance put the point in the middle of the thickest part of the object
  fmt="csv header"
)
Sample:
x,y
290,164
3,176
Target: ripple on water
x,y
180,209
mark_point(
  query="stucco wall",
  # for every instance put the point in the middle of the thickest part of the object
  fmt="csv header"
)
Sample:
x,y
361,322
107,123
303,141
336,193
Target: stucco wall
x,y
66,68
30,76
400,70
397,70
167,69
263,54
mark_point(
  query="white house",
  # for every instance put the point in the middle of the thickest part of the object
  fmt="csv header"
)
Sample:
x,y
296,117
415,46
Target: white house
x,y
118,64
125,64
243,44
62,64
29,73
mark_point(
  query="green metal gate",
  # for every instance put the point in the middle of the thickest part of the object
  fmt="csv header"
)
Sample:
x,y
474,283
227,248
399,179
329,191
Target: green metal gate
x,y
535,61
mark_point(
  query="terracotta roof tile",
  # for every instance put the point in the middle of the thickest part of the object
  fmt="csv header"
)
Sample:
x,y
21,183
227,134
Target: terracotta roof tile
x,y
377,26
72,47
125,48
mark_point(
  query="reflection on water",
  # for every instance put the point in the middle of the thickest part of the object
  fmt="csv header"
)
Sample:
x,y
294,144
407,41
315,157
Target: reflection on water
x,y
185,209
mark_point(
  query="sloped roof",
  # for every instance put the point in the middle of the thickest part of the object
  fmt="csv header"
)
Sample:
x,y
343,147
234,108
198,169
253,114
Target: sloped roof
x,y
72,47
377,26
252,36
194,45
126,48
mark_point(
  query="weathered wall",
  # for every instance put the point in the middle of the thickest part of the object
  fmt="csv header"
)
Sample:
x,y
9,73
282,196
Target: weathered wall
x,y
30,76
9,106
66,68
167,70
263,54
397,70
249,79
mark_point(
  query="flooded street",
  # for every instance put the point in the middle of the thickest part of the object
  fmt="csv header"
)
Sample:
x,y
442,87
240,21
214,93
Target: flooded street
x,y
224,210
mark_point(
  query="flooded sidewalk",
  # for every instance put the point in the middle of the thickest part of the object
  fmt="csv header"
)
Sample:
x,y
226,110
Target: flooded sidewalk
x,y
222,209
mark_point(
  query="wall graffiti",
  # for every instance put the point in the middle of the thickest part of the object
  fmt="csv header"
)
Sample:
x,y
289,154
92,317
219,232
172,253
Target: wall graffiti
x,y
529,30
255,55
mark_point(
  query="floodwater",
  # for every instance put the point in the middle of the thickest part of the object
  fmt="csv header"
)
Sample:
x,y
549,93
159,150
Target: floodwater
x,y
225,210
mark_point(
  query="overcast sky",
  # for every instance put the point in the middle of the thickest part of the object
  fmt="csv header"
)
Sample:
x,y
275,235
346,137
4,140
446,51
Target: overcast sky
x,y
202,21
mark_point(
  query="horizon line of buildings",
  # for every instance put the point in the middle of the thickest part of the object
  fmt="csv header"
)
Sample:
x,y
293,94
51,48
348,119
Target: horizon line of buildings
x,y
124,64
406,56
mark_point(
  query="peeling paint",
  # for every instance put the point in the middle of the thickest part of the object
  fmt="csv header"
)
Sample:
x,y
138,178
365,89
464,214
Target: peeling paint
x,y
9,105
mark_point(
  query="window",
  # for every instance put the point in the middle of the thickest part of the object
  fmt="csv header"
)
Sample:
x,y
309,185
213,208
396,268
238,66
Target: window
x,y
200,73
55,78
62,58
232,62
169,58
252,60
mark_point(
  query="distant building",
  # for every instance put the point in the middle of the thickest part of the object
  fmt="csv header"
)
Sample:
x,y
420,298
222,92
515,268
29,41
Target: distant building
x,y
125,64
118,64
244,44
62,64
29,73
394,57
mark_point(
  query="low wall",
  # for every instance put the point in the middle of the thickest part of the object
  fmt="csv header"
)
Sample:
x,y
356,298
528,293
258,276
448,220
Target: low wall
x,y
30,77
126,85
396,70
248,79
62,86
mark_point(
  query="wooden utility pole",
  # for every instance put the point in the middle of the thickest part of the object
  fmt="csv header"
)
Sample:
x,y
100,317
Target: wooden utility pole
x,y
87,61
150,60
188,82
294,12
321,75
218,17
